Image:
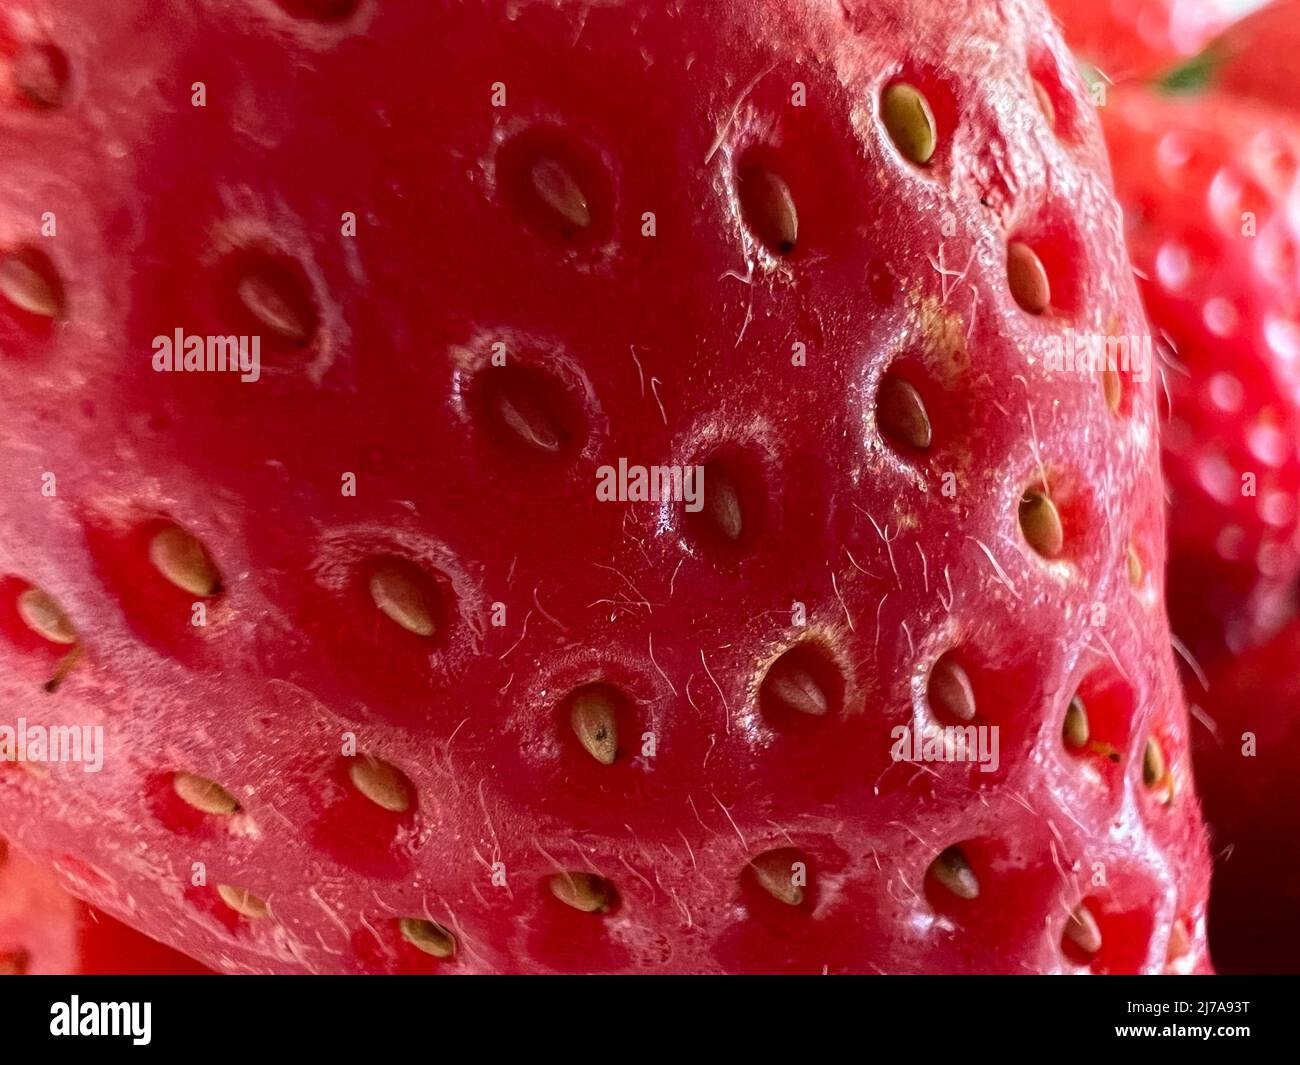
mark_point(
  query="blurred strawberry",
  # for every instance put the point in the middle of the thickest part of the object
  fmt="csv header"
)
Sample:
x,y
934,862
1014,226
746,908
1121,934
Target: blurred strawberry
x,y
1212,206
1253,58
44,930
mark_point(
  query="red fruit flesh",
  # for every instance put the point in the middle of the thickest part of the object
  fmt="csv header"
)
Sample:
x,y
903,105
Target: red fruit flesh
x,y
696,241
1209,190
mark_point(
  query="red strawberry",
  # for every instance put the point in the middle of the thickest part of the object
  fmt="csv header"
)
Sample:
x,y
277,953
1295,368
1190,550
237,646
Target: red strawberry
x,y
1212,200
1255,58
1247,773
45,930
1138,38
387,686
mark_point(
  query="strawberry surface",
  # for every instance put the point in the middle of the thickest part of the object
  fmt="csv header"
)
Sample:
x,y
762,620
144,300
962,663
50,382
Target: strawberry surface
x,y
1211,190
388,687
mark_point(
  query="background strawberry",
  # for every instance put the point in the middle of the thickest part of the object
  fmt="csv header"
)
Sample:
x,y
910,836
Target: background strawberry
x,y
443,710
1211,200
44,930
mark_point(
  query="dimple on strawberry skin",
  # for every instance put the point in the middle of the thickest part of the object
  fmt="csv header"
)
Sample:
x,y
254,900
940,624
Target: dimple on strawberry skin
x,y
387,688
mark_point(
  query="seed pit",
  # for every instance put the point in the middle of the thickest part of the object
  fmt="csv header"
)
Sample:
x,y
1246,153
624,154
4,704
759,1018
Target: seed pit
x,y
1054,98
1155,770
801,686
405,595
559,187
319,10
728,497
781,873
43,616
952,873
243,902
907,116
40,74
1081,941
593,713
586,892
428,936
204,795
272,295
768,206
1027,278
901,414
383,784
1095,725
949,692
1040,522
29,281
528,412
1075,733
184,561
556,188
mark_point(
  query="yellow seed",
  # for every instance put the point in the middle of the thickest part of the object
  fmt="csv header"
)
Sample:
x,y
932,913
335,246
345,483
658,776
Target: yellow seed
x,y
722,501
381,783
949,691
273,300
1134,566
793,686
1075,731
1153,763
400,590
524,417
429,937
184,561
769,209
910,122
1027,278
243,902
29,289
1083,931
594,721
901,414
204,794
1041,524
953,871
43,616
556,188
774,871
583,891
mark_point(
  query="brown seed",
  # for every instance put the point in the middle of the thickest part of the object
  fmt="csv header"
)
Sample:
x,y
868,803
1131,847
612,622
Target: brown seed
x,y
272,295
63,668
949,691
1045,103
594,721
14,962
775,873
30,289
204,794
583,891
901,415
1041,523
1153,763
427,936
1075,732
526,418
243,902
769,209
1180,941
184,561
790,684
910,122
556,188
1083,931
43,616
381,783
1027,278
40,73
400,590
722,502
1112,388
1134,566
953,871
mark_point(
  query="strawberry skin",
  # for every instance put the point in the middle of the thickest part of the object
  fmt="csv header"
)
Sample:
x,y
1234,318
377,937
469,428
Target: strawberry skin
x,y
444,709
1210,189
45,931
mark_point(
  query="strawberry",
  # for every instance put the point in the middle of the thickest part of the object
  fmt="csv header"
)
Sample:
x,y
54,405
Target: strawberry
x,y
1136,39
1253,58
401,668
1247,772
45,930
1210,190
